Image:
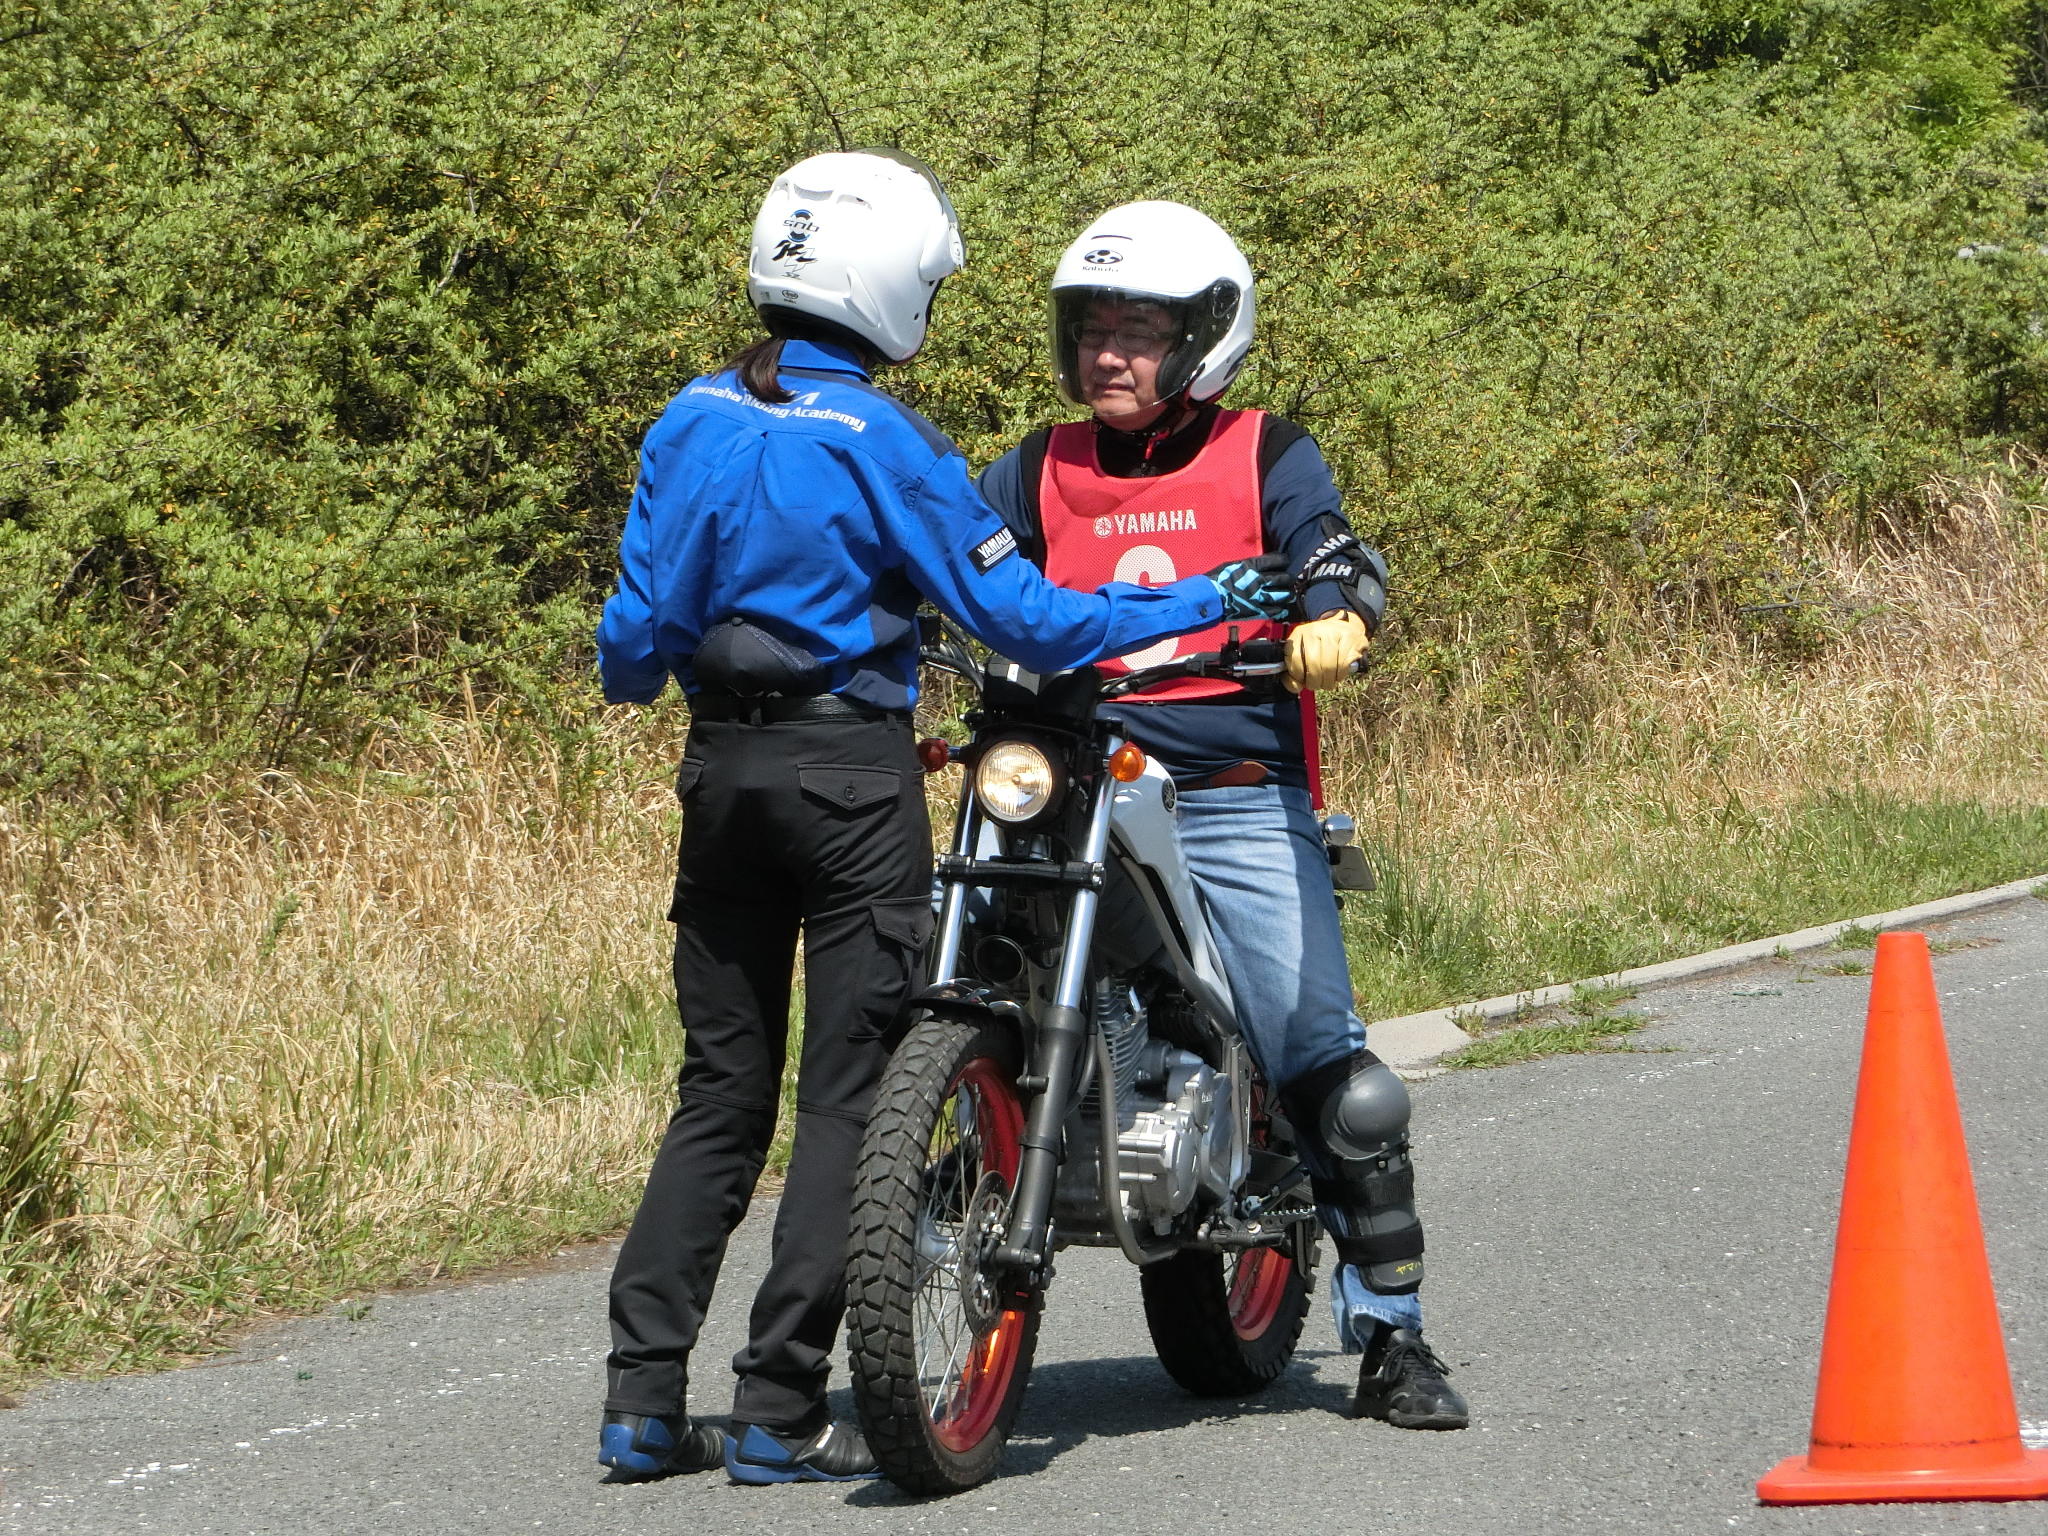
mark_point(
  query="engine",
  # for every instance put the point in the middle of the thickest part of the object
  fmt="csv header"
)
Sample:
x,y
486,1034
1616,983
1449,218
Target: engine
x,y
1178,1138
1180,1145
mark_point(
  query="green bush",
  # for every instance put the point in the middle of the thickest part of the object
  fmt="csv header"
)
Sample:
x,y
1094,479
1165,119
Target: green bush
x,y
332,327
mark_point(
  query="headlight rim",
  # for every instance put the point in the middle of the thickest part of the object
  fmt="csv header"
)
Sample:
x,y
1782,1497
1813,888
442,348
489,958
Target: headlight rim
x,y
1056,772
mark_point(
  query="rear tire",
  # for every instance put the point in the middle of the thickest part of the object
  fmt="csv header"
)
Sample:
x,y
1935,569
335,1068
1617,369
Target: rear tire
x,y
938,1361
1225,1327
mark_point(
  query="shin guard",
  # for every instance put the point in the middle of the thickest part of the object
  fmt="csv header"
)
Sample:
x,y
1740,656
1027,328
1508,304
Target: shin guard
x,y
1351,1117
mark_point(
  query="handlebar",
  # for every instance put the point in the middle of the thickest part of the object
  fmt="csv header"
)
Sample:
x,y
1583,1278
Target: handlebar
x,y
1241,661
1251,662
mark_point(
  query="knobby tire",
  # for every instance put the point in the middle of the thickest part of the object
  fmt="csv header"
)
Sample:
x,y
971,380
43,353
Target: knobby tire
x,y
1218,1338
924,1439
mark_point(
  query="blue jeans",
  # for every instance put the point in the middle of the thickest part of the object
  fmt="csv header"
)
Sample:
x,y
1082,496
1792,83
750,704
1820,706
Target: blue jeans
x,y
1257,857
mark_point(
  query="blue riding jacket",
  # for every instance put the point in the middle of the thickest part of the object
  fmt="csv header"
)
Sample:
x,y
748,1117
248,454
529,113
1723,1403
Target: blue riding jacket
x,y
825,521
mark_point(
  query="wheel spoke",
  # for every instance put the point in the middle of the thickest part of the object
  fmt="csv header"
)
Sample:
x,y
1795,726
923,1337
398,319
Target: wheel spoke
x,y
964,1358
954,1165
948,1377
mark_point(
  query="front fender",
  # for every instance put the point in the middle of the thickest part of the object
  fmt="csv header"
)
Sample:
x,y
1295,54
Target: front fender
x,y
964,1003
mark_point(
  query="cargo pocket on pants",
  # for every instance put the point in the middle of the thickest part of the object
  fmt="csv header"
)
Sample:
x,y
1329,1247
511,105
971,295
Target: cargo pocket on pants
x,y
848,788
688,773
903,926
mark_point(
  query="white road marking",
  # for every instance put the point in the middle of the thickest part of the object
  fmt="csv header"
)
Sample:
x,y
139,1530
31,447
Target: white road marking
x,y
50,1495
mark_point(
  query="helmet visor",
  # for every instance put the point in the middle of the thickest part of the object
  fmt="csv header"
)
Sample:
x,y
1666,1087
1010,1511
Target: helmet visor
x,y
1179,332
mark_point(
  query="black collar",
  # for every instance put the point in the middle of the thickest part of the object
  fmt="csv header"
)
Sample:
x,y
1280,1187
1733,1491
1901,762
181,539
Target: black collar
x,y
1154,450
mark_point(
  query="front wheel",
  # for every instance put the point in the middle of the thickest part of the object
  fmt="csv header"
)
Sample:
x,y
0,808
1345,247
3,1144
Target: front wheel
x,y
939,1355
1225,1327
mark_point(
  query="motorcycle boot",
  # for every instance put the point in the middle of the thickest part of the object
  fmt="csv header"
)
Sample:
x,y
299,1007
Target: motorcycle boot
x,y
1401,1380
638,1446
833,1453
1351,1118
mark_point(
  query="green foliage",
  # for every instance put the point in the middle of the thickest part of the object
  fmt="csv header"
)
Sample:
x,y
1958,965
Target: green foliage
x,y
332,324
39,1181
1944,67
1531,1042
1431,935
1594,999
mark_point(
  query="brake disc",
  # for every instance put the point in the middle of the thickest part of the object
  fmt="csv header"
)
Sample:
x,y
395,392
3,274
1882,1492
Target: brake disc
x,y
988,1217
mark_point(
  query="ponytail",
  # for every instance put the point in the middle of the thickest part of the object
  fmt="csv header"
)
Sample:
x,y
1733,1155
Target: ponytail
x,y
757,367
758,364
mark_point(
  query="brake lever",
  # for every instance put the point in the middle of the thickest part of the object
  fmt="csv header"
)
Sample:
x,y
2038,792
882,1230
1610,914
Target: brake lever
x,y
1269,657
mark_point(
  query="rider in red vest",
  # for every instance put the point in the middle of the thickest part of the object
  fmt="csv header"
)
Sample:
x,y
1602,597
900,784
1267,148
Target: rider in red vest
x,y
1151,319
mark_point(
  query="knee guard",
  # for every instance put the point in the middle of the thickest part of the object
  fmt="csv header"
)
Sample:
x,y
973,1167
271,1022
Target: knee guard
x,y
1351,1119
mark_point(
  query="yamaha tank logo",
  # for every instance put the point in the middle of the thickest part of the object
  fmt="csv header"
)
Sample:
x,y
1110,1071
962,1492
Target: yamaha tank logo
x,y
1102,256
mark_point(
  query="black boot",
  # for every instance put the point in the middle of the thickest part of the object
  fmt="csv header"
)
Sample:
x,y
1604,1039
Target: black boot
x,y
834,1453
637,1446
1402,1381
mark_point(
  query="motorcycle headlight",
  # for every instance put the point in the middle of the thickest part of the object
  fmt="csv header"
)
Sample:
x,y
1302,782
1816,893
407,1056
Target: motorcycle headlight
x,y
1015,781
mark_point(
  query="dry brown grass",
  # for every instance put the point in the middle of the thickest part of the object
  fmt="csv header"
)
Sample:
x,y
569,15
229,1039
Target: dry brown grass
x,y
1702,753
335,1035
1934,672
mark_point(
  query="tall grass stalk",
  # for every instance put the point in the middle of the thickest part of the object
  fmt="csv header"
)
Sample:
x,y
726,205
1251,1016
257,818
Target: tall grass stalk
x,y
1658,792
327,1039
317,1038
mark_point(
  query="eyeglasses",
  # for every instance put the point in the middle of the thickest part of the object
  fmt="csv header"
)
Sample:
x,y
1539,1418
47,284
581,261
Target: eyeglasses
x,y
1129,339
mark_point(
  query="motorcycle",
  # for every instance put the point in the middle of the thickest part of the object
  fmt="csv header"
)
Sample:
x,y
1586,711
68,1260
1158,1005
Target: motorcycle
x,y
1072,1073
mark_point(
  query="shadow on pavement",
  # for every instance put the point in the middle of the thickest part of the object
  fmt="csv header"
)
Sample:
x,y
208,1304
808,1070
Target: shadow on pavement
x,y
1072,1401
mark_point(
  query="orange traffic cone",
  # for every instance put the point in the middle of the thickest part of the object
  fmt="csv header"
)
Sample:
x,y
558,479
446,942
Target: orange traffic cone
x,y
1915,1398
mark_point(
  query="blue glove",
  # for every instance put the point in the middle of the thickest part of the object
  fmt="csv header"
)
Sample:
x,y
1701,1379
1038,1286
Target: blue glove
x,y
1255,589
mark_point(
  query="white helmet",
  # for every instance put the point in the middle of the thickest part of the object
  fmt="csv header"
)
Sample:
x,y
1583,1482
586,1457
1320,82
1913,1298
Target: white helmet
x,y
1170,255
860,240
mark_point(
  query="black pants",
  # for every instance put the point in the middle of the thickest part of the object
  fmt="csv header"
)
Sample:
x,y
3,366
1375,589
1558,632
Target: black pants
x,y
812,826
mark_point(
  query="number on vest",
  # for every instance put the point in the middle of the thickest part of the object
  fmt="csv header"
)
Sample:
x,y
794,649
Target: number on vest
x,y
1147,565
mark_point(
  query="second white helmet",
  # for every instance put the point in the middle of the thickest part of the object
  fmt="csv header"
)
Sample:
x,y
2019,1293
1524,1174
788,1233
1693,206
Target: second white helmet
x,y
1166,254
859,239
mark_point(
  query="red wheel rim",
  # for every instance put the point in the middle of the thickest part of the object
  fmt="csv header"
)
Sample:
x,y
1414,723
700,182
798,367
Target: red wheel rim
x,y
1257,1285
974,1389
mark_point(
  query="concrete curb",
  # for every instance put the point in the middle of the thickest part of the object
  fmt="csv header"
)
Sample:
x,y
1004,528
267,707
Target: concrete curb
x,y
1416,1040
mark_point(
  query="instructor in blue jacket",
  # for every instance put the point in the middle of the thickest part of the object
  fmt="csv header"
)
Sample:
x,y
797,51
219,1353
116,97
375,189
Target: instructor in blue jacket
x,y
789,519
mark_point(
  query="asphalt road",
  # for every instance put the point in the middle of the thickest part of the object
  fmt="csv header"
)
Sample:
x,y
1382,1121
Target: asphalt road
x,y
1628,1259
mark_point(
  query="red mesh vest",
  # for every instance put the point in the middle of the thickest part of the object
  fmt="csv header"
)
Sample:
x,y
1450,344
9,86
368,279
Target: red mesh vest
x,y
1156,529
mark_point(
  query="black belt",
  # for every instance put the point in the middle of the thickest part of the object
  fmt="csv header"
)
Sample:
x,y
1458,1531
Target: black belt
x,y
777,711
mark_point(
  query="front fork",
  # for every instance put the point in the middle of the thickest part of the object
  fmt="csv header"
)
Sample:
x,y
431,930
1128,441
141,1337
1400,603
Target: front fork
x,y
1062,1038
1062,1034
952,924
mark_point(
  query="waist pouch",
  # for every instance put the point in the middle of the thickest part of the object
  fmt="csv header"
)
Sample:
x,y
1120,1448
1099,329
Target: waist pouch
x,y
743,659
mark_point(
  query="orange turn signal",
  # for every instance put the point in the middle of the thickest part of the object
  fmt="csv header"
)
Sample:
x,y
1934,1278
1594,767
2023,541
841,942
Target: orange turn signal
x,y
935,752
1126,763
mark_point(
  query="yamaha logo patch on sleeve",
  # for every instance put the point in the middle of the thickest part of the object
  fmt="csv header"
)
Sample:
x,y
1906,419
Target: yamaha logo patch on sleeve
x,y
994,549
1335,559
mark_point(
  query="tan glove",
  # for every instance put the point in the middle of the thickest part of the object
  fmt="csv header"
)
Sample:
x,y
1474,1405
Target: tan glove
x,y
1320,652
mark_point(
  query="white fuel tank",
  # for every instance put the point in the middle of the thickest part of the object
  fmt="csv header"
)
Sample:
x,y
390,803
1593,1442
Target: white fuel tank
x,y
1142,826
